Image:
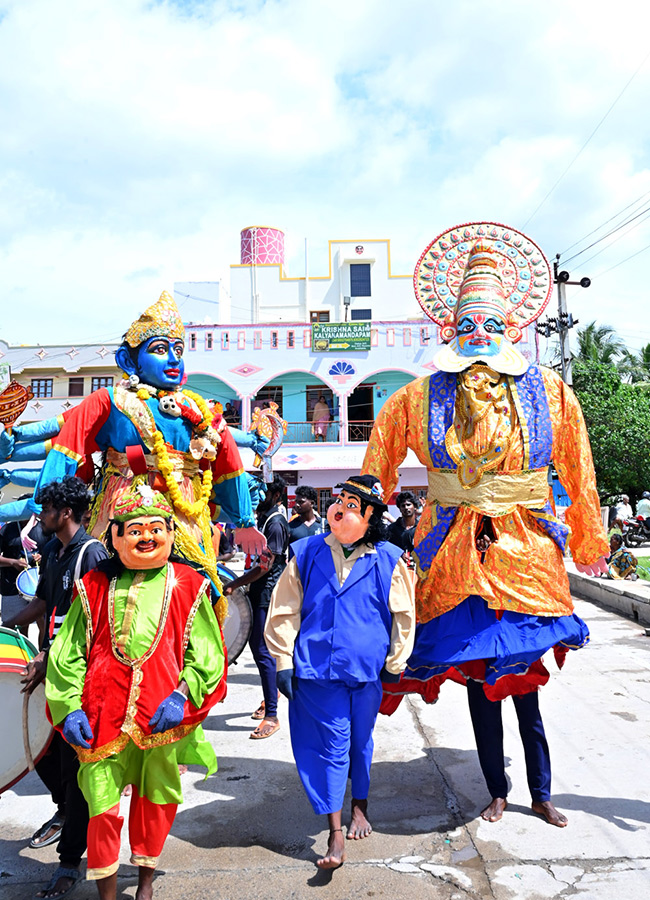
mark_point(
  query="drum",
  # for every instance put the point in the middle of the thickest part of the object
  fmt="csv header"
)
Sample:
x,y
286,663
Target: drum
x,y
239,621
27,581
24,722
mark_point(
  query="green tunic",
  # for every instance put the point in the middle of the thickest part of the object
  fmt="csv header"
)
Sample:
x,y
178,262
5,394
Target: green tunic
x,y
153,772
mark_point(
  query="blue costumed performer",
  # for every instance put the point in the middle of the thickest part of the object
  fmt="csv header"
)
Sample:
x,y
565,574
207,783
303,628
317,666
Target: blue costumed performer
x,y
341,622
152,431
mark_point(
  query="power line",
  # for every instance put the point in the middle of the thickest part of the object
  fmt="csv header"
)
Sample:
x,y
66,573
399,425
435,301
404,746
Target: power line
x,y
606,222
644,212
580,151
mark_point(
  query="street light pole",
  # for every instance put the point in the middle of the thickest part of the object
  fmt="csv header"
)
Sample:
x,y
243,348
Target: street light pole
x,y
561,324
565,349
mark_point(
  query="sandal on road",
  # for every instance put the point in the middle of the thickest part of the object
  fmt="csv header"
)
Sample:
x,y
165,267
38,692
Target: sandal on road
x,y
73,875
48,833
265,729
260,712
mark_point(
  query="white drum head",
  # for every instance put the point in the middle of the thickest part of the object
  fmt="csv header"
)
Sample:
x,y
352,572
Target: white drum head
x,y
13,762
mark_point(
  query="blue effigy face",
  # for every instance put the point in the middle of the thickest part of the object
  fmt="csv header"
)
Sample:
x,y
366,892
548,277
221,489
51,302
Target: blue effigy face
x,y
480,335
160,363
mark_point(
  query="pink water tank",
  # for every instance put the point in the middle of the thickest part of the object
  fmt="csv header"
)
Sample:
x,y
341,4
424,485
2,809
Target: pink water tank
x,y
261,246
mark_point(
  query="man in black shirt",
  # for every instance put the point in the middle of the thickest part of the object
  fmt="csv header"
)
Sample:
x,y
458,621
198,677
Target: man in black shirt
x,y
306,522
66,557
262,579
402,531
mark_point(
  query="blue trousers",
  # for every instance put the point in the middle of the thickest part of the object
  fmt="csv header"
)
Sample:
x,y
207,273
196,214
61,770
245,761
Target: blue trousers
x,y
331,726
488,731
266,664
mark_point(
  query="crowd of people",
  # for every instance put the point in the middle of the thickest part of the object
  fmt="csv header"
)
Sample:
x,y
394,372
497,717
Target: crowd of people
x,y
335,593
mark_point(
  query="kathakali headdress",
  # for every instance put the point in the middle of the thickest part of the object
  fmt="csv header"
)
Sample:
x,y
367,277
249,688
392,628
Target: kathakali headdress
x,y
486,268
161,319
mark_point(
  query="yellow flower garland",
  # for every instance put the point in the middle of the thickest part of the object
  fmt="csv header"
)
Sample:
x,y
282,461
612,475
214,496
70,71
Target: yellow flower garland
x,y
190,510
204,409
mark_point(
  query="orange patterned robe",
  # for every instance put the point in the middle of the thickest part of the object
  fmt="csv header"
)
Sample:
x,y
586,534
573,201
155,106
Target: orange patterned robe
x,y
523,571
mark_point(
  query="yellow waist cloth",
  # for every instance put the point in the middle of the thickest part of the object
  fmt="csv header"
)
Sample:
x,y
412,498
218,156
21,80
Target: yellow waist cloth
x,y
496,494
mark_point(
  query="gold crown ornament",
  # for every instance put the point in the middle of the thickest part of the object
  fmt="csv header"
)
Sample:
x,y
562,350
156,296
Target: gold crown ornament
x,y
161,319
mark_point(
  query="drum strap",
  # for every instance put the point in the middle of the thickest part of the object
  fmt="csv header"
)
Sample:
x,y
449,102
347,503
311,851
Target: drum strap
x,y
77,567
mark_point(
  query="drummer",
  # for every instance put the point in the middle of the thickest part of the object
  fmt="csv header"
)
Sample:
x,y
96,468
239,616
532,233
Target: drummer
x,y
68,555
20,548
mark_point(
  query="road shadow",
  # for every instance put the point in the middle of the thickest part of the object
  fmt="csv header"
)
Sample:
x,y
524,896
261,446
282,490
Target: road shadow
x,y
262,803
611,809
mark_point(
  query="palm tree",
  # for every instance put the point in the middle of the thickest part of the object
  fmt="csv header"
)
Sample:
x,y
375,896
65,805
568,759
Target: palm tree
x,y
599,344
636,366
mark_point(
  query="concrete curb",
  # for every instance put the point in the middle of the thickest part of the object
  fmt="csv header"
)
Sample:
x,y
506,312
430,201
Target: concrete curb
x,y
630,598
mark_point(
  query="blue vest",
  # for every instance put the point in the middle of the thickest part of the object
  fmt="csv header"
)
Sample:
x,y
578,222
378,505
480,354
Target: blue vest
x,y
345,631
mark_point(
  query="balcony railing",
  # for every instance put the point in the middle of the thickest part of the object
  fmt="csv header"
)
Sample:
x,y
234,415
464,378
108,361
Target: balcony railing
x,y
359,431
312,432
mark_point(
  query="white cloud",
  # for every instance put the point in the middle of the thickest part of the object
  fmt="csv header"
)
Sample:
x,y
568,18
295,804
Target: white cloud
x,y
139,137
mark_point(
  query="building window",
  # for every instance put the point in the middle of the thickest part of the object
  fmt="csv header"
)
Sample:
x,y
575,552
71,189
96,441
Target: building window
x,y
208,340
319,315
374,337
360,315
42,387
225,340
424,336
241,340
257,340
75,387
192,340
306,338
390,337
275,340
291,340
266,395
406,335
360,279
102,381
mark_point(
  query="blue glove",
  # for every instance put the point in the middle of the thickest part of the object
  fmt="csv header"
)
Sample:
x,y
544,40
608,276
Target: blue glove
x,y
170,713
76,729
387,677
284,680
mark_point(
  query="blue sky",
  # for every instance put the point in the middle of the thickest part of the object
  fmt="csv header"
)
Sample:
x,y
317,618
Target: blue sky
x,y
138,138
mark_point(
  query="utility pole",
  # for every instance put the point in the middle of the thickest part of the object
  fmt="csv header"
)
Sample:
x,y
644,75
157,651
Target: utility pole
x,y
564,320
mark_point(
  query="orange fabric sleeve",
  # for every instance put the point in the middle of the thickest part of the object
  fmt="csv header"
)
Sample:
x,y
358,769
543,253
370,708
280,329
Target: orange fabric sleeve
x,y
574,463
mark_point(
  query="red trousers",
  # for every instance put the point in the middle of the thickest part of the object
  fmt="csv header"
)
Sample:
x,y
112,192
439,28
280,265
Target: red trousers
x,y
149,825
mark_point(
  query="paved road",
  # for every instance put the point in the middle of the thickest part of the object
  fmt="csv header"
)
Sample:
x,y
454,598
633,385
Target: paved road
x,y
249,833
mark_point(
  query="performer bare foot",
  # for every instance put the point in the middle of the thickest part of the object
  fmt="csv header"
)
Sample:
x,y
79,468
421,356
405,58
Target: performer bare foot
x,y
107,887
359,826
495,810
551,814
336,845
145,883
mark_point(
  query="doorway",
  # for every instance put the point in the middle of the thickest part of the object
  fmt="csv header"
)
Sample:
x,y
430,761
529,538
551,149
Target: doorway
x,y
361,412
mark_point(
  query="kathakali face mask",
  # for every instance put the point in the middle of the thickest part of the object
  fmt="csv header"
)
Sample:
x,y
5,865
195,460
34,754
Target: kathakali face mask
x,y
145,543
346,520
480,334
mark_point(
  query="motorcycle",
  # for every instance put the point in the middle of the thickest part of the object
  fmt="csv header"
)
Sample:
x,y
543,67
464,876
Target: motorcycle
x,y
636,531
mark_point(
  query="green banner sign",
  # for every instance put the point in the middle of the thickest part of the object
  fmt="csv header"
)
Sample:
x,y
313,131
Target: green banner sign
x,y
329,337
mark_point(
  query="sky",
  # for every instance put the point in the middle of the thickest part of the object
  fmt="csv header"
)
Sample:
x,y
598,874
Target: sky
x,y
138,138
